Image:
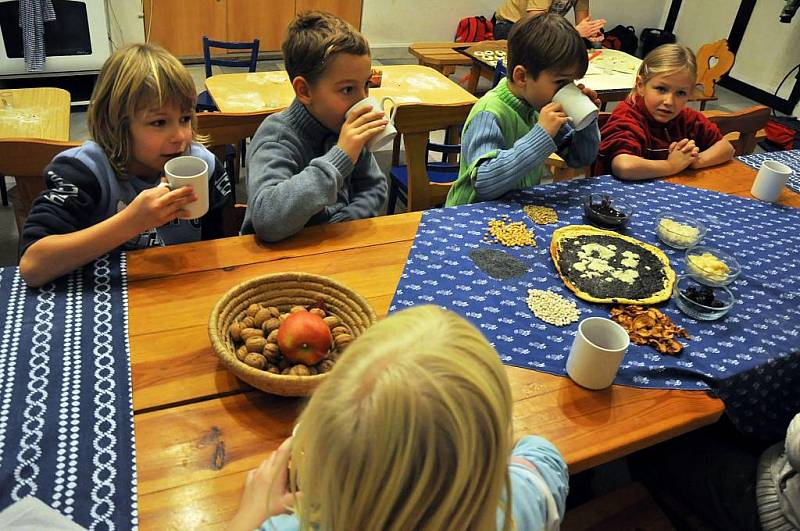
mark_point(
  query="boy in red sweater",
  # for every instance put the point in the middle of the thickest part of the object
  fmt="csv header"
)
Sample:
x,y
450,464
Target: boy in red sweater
x,y
653,133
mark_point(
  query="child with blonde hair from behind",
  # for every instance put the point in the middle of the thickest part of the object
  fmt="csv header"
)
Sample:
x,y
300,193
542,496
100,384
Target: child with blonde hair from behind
x,y
653,133
105,194
411,430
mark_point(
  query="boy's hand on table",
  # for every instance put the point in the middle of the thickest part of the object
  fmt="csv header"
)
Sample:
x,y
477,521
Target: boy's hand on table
x,y
267,483
361,125
159,205
591,94
552,117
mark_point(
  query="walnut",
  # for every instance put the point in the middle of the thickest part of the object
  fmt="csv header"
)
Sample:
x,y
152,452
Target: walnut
x,y
256,361
272,368
325,365
273,337
260,317
318,311
273,311
341,329
241,353
271,324
271,352
342,340
252,310
247,333
235,330
255,344
300,370
248,322
332,321
295,309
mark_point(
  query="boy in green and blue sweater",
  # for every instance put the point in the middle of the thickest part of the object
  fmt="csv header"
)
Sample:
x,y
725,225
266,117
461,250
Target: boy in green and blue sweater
x,y
514,127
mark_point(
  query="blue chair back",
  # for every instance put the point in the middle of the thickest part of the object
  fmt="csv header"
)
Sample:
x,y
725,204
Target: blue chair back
x,y
499,72
249,63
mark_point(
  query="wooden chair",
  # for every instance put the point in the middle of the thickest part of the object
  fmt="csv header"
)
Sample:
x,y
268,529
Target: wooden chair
x,y
708,75
25,159
222,130
225,129
742,128
415,123
628,508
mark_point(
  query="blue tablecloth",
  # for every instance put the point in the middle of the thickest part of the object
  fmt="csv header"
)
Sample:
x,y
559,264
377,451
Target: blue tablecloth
x,y
791,158
763,325
66,416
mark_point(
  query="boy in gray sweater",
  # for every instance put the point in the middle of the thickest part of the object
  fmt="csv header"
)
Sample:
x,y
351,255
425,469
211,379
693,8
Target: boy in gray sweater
x,y
307,164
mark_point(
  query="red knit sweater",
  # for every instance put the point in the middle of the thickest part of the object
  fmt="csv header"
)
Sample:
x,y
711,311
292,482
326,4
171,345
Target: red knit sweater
x,y
632,130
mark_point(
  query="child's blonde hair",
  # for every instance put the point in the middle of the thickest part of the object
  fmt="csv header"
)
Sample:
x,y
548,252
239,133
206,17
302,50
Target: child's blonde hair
x,y
411,430
135,78
666,59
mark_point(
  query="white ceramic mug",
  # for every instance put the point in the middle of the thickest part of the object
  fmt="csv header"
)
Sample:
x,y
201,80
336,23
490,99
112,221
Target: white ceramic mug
x,y
597,352
577,105
190,171
770,180
389,132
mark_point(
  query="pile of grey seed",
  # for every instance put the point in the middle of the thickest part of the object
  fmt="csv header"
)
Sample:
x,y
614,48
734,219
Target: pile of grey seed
x,y
552,308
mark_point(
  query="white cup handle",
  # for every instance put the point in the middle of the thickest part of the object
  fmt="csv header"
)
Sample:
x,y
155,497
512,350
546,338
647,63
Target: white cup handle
x,y
393,109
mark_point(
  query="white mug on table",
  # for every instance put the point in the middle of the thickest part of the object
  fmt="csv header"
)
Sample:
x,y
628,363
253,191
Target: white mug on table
x,y
190,171
597,352
389,132
770,180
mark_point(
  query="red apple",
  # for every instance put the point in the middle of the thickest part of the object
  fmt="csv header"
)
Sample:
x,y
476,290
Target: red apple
x,y
304,338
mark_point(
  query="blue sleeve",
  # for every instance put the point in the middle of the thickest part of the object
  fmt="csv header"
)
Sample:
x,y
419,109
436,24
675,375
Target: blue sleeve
x,y
579,147
282,522
500,174
529,504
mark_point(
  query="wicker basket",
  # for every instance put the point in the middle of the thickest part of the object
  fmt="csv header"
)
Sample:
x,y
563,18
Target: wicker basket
x,y
283,290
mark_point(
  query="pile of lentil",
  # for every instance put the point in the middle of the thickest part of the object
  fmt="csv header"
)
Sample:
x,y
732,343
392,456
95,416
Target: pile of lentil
x,y
541,215
509,233
552,308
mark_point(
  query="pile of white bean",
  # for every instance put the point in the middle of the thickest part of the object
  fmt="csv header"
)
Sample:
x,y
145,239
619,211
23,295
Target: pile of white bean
x,y
552,308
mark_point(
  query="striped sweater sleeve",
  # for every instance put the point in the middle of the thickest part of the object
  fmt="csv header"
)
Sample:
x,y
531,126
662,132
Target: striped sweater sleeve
x,y
501,174
581,149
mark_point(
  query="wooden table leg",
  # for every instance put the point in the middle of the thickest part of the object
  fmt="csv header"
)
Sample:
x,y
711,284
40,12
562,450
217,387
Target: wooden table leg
x,y
474,77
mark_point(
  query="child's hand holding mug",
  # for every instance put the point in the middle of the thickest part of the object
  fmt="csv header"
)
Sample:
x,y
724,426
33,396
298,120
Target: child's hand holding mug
x,y
552,117
364,121
157,206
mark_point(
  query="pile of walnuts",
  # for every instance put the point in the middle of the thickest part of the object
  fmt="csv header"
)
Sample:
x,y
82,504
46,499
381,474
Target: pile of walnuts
x,y
255,339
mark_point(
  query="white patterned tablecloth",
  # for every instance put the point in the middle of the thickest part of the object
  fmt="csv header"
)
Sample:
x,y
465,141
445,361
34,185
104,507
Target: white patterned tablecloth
x,y
66,416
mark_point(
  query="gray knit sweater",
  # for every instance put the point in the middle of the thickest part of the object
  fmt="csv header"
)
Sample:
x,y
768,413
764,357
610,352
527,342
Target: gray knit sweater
x,y
297,176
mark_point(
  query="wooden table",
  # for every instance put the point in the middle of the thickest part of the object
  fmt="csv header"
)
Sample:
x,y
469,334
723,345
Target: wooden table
x,y
34,113
271,91
441,56
199,430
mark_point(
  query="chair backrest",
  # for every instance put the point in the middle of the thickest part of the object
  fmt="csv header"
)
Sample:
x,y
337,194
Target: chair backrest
x,y
225,128
499,72
746,122
25,159
249,63
415,121
707,75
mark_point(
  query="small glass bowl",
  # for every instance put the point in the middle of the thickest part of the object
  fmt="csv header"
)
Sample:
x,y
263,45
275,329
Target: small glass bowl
x,y
623,209
707,276
675,237
699,311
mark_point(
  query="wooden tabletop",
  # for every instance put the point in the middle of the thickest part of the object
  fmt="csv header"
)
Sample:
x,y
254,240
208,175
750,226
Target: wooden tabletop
x,y
440,55
34,113
199,430
272,91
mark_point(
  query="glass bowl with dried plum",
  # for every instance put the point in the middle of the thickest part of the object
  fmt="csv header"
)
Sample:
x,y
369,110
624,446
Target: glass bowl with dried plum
x,y
710,266
702,302
606,211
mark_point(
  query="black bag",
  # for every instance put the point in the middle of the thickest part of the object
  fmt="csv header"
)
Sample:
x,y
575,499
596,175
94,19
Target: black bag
x,y
621,38
655,37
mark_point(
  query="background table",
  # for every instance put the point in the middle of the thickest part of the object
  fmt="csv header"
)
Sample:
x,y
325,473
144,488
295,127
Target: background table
x,y
441,56
199,430
272,91
34,113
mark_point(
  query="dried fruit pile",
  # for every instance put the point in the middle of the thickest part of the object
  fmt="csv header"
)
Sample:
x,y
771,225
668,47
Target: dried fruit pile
x,y
541,215
267,339
648,326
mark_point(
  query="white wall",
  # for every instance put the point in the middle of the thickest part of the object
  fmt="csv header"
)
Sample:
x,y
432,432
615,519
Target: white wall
x,y
401,22
769,48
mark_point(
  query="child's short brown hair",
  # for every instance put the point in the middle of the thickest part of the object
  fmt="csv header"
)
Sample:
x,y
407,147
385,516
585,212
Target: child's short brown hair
x,y
135,78
313,38
545,42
